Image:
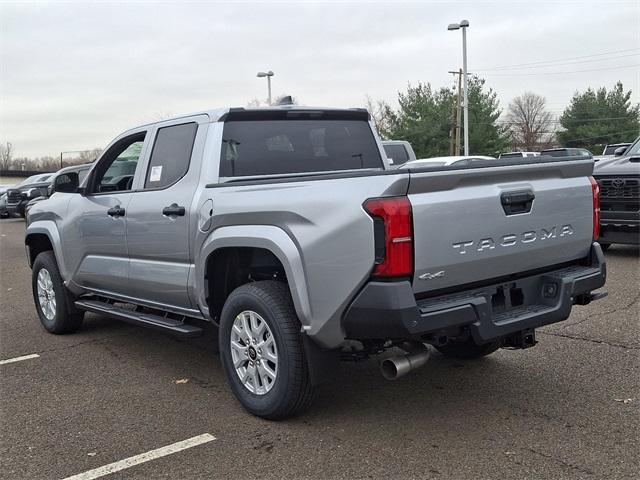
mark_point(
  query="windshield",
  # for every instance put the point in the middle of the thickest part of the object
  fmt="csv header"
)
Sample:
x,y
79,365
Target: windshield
x,y
634,149
611,149
35,179
272,147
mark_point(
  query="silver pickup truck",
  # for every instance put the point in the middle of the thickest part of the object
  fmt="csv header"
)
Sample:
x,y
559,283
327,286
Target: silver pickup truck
x,y
287,229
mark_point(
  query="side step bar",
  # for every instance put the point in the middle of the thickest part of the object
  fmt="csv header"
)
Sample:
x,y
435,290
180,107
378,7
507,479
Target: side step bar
x,y
154,322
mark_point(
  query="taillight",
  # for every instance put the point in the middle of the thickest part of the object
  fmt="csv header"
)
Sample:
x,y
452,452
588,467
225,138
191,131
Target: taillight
x,y
393,232
595,191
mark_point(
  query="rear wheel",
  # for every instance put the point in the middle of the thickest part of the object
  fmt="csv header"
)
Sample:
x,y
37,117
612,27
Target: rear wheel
x,y
261,350
468,349
54,302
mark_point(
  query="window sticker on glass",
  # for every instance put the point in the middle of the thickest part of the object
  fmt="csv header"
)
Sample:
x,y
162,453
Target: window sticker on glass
x,y
156,173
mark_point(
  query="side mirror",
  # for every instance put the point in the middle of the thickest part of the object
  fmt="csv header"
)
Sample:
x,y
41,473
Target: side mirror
x,y
618,152
66,183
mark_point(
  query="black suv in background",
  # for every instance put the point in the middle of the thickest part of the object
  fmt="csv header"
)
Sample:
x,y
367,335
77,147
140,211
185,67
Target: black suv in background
x,y
14,200
619,180
80,171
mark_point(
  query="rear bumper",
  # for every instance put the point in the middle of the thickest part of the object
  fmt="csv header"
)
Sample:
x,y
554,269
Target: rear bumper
x,y
390,311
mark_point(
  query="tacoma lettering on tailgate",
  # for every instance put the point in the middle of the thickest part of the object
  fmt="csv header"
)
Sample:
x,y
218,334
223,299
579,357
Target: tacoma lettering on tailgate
x,y
512,239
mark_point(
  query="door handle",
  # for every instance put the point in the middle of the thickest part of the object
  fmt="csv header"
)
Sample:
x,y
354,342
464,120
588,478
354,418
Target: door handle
x,y
116,211
174,210
517,202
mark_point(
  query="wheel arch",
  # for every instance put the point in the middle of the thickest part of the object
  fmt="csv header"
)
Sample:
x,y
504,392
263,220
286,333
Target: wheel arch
x,y
41,237
271,239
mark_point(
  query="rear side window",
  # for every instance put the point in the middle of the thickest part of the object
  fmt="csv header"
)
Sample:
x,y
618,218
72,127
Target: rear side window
x,y
271,147
397,153
171,155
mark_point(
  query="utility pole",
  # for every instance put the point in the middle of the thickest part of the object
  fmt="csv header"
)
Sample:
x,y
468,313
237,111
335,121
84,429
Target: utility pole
x,y
458,113
454,128
458,105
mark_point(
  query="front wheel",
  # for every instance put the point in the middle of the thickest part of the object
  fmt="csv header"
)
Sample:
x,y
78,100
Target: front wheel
x,y
468,349
53,301
261,350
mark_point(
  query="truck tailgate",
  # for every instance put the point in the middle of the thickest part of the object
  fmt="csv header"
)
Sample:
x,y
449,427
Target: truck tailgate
x,y
478,224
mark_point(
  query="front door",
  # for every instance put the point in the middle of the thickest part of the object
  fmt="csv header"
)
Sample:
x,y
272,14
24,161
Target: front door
x,y
159,214
94,239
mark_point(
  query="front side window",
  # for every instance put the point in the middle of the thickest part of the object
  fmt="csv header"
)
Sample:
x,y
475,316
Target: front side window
x,y
82,174
118,165
272,147
171,155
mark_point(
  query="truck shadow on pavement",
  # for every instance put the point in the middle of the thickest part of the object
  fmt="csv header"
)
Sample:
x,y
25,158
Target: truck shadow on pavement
x,y
622,251
507,381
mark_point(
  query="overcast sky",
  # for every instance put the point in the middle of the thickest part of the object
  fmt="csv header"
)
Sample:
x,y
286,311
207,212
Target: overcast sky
x,y
74,75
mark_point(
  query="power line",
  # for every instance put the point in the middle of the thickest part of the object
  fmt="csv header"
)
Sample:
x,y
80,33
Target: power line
x,y
551,65
617,67
563,59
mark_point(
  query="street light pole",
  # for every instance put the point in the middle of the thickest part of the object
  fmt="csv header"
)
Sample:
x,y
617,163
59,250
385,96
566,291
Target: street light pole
x,y
268,74
464,24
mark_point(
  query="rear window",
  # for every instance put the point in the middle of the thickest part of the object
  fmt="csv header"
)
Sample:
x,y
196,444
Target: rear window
x,y
397,153
272,147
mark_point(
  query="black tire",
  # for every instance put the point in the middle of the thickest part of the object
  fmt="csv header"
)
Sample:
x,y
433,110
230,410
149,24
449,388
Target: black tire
x,y
468,349
66,318
291,391
604,246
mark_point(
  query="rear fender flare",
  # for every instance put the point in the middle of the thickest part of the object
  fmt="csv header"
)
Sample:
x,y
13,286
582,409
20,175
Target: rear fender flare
x,y
268,237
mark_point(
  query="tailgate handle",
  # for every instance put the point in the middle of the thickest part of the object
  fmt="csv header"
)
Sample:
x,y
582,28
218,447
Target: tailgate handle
x,y
517,202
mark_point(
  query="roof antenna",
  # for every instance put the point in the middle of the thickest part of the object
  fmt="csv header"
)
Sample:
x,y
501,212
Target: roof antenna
x,y
286,100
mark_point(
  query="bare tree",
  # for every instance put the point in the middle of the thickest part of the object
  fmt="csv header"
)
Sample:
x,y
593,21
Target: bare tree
x,y
531,124
6,155
378,110
88,156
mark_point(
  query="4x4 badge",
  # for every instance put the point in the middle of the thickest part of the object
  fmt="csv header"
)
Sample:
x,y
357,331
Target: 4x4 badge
x,y
431,276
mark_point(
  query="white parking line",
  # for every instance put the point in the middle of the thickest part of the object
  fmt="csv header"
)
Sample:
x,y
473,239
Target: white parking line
x,y
143,457
19,359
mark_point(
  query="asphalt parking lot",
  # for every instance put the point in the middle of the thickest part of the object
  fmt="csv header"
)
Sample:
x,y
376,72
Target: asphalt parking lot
x,y
568,408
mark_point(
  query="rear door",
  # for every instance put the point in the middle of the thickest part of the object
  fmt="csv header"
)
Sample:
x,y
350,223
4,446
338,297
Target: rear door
x,y
477,224
159,214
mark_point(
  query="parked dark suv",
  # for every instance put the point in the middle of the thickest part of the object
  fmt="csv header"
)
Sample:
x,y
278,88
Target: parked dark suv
x,y
14,200
619,180
61,175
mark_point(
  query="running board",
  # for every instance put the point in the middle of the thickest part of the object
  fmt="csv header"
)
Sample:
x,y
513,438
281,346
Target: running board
x,y
155,322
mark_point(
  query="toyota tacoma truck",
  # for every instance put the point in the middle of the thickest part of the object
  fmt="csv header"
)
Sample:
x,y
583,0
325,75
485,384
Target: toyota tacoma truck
x,y
619,180
287,228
